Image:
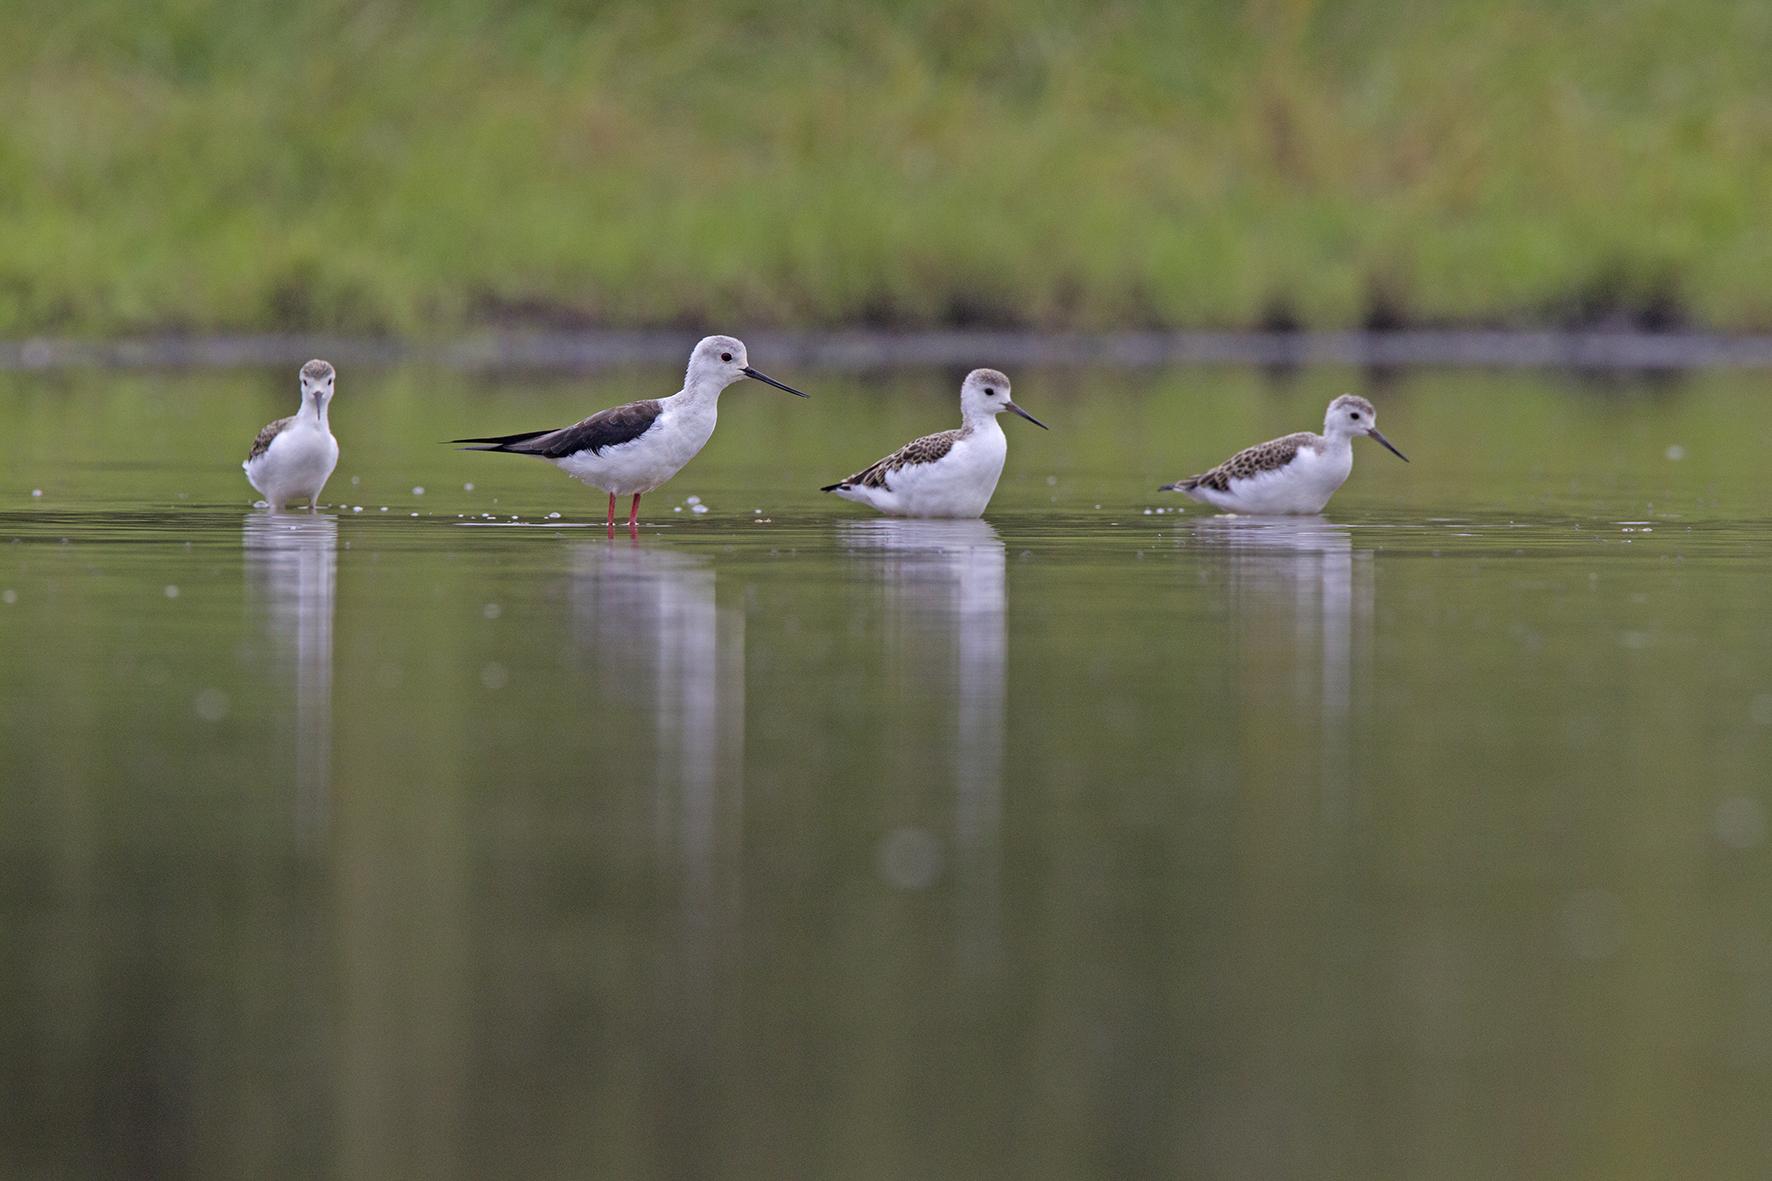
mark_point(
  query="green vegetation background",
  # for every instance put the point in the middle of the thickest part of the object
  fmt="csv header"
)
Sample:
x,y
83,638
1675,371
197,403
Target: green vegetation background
x,y
416,167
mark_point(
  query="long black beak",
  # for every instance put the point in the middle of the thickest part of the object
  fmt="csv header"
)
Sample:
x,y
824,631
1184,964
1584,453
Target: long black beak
x,y
1026,415
1373,431
767,380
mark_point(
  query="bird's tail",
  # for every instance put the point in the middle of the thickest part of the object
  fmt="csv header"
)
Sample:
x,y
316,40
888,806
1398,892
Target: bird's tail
x,y
1187,485
503,442
834,487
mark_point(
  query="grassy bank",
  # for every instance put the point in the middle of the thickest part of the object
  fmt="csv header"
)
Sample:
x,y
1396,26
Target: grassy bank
x,y
413,168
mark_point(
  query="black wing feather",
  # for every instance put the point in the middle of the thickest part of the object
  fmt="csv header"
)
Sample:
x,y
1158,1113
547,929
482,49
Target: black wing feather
x,y
606,428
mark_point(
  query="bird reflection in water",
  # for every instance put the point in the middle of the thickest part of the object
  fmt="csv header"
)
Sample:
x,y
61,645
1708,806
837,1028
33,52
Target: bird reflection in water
x,y
651,629
1299,585
291,570
943,609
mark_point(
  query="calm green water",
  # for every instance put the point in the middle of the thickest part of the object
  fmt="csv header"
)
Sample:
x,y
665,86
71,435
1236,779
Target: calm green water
x,y
1427,838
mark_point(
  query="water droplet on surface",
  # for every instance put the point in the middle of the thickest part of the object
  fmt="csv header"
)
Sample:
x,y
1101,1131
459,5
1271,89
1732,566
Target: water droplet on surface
x,y
1760,709
211,705
1593,924
908,858
1740,822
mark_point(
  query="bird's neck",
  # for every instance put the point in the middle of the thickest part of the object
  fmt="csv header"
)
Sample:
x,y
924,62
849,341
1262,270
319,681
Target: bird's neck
x,y
312,410
703,392
973,423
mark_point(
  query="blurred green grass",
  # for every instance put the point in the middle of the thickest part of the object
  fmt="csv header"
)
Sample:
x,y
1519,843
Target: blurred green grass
x,y
414,168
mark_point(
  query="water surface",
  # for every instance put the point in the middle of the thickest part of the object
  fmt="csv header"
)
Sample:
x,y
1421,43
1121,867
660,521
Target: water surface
x,y
437,835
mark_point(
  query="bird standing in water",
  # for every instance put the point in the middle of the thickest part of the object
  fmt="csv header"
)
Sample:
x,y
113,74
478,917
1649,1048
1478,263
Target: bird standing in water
x,y
293,457
1292,474
948,474
631,450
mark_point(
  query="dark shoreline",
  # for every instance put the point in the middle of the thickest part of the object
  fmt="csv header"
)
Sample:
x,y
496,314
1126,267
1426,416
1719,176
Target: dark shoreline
x,y
862,349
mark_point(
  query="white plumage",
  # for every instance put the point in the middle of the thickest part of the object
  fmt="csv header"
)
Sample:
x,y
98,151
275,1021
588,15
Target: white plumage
x,y
1295,473
292,458
630,450
948,474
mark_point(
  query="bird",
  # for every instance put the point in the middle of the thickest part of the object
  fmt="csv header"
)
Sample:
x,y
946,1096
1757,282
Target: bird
x,y
1295,473
948,474
293,457
632,449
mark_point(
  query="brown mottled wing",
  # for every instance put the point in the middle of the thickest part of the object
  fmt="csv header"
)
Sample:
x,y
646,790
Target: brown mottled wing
x,y
606,428
928,449
1251,461
262,444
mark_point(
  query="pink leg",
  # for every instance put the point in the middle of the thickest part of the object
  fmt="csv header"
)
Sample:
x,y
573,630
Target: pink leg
x,y
634,515
612,510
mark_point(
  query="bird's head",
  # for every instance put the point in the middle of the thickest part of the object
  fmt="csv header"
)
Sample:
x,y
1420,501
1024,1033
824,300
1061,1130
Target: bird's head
x,y
985,392
317,378
1351,415
718,361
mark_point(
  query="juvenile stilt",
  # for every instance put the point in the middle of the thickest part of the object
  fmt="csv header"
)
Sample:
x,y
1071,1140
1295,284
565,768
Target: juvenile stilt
x,y
1292,474
292,457
950,474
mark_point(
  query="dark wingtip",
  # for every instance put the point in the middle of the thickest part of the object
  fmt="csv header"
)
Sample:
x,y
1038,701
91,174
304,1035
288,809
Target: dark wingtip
x,y
833,487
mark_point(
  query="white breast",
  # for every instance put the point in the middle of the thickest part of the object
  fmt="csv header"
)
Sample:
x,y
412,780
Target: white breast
x,y
297,463
959,484
1302,486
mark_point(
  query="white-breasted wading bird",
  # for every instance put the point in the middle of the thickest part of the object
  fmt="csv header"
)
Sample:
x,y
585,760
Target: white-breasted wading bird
x,y
293,457
1292,474
949,474
631,450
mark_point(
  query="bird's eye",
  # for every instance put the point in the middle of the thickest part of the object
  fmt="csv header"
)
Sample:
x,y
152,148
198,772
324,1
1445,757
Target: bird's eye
x,y
725,356
989,392
1356,416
